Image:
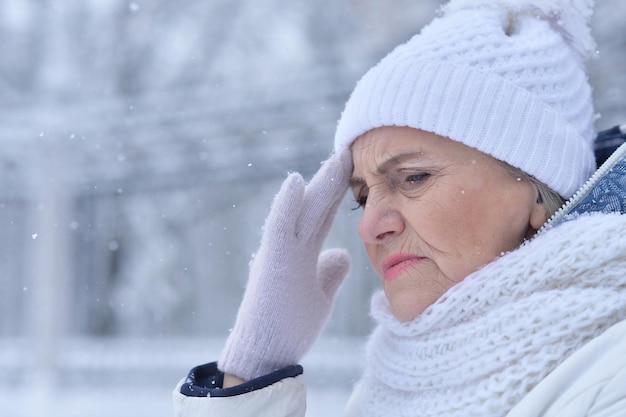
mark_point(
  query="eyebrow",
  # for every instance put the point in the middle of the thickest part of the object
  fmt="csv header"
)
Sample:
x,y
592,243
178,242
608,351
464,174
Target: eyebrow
x,y
384,167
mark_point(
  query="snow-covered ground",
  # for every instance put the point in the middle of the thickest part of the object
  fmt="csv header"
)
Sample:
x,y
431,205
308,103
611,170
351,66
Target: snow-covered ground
x,y
136,402
120,379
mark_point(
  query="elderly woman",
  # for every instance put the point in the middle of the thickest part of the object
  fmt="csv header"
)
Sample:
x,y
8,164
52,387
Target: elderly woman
x,y
458,146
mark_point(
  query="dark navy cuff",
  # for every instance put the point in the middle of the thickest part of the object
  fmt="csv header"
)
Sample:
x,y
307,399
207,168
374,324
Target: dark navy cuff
x,y
206,381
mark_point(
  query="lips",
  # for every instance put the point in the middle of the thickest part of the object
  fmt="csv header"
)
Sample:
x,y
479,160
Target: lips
x,y
397,264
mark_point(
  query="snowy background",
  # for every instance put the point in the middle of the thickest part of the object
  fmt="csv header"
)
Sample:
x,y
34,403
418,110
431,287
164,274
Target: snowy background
x,y
142,143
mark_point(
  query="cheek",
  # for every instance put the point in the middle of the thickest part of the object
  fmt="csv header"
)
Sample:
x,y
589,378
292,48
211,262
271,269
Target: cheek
x,y
443,220
493,223
462,226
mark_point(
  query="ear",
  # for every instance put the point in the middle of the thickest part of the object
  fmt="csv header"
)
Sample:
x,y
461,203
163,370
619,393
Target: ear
x,y
538,213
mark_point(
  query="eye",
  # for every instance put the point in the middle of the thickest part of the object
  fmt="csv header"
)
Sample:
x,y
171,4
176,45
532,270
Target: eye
x,y
360,203
416,177
410,181
360,198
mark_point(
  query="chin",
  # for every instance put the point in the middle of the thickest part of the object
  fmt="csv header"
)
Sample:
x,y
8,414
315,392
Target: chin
x,y
406,305
406,313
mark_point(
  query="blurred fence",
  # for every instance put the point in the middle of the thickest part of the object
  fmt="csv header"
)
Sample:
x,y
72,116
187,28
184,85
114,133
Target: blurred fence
x,y
126,241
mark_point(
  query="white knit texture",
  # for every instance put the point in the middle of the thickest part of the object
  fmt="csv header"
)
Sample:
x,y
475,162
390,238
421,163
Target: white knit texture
x,y
570,17
490,339
508,85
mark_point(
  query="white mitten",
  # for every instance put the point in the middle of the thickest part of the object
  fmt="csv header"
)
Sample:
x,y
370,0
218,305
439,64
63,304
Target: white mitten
x,y
291,287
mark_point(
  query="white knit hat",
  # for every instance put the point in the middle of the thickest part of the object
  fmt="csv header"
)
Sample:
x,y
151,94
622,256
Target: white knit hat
x,y
506,77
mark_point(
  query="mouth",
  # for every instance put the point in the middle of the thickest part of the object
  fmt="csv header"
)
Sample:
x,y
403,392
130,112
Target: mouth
x,y
396,264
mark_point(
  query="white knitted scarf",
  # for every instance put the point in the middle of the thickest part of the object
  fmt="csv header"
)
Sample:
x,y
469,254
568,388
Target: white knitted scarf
x,y
491,338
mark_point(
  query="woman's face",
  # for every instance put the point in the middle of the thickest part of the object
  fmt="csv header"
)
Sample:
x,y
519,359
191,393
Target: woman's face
x,y
434,211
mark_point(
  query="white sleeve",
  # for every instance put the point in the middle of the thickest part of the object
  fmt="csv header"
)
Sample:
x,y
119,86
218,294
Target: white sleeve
x,y
285,398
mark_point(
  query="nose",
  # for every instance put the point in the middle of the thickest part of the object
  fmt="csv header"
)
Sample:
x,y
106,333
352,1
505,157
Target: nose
x,y
381,221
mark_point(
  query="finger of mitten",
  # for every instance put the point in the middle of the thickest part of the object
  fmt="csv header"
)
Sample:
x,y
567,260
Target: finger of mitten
x,y
286,207
345,165
332,267
323,196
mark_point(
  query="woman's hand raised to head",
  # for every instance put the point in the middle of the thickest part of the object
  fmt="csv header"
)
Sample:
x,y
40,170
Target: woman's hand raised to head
x,y
291,287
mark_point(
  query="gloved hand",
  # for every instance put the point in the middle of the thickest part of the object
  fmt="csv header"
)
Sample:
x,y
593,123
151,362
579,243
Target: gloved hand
x,y
291,287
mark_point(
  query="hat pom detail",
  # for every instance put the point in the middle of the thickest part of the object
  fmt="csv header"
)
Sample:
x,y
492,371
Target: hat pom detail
x,y
569,17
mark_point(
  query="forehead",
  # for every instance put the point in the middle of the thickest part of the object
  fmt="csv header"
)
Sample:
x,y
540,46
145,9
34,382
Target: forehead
x,y
387,143
380,149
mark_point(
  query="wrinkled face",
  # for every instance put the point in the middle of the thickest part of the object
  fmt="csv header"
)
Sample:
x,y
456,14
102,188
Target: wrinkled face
x,y
434,211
